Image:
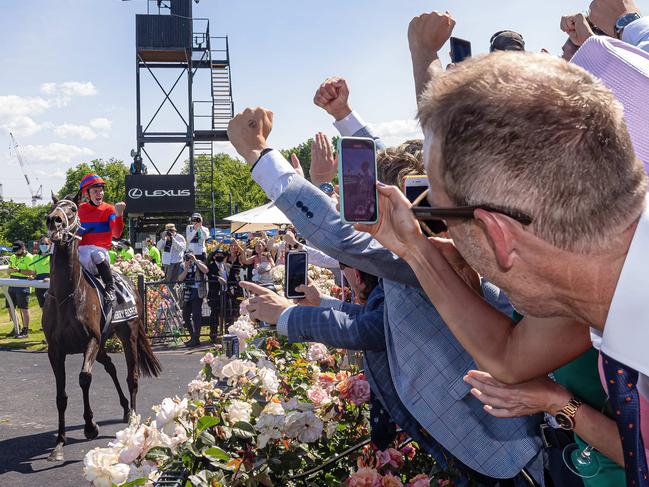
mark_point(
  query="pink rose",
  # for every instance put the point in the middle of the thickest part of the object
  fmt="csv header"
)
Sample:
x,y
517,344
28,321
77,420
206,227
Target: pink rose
x,y
420,480
391,481
409,451
364,477
360,392
208,359
391,457
318,396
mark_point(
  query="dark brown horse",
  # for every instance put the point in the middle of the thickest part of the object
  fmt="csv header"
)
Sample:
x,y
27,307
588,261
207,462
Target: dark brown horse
x,y
72,324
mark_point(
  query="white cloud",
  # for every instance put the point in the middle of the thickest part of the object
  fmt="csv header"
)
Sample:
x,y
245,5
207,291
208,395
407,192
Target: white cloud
x,y
69,88
78,131
22,105
396,132
102,124
55,152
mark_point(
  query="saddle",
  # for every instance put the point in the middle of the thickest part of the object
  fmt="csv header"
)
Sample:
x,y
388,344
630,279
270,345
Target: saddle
x,y
124,308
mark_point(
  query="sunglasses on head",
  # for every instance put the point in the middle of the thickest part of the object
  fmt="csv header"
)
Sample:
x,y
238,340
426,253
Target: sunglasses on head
x,y
462,212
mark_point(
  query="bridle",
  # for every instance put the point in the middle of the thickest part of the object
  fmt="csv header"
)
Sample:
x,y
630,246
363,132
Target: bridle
x,y
67,228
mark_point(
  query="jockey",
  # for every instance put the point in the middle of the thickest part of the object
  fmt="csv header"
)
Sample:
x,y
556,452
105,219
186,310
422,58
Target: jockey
x,y
100,223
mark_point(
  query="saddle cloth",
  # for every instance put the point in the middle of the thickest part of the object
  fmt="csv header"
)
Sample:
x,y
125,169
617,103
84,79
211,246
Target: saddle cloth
x,y
124,308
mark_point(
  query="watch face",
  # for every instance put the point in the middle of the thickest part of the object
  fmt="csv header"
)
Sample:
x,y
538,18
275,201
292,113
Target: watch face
x,y
327,188
565,421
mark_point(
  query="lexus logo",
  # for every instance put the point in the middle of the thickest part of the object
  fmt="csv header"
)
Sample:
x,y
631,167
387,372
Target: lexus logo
x,y
135,193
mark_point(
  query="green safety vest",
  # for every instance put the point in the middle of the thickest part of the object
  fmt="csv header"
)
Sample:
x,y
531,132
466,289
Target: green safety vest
x,y
154,253
23,262
41,264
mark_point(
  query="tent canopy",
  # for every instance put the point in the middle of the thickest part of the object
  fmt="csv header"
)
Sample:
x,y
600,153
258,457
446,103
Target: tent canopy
x,y
264,217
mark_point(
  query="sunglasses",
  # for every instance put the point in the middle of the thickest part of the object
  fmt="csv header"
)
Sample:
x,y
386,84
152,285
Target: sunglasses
x,y
596,30
462,212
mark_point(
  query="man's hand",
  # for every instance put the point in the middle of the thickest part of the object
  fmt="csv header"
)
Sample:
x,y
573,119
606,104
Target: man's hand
x,y
604,13
266,305
289,238
323,164
577,28
119,208
311,295
427,33
295,162
248,132
510,401
333,96
397,228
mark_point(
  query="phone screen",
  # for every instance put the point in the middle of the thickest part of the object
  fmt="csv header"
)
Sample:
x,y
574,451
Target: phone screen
x,y
359,180
460,50
296,270
412,192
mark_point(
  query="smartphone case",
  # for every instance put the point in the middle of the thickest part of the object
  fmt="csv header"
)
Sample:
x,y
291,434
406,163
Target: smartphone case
x,y
306,274
341,191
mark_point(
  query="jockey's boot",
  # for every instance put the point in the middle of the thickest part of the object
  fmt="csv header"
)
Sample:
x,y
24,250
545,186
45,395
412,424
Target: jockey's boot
x,y
109,289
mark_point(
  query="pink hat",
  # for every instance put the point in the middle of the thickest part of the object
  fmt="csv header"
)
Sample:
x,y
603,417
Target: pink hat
x,y
624,69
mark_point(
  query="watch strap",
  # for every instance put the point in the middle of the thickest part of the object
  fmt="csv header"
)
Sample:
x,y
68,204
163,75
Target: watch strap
x,y
570,409
623,21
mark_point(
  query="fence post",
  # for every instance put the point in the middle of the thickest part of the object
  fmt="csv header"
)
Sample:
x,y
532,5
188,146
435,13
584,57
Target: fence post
x,y
141,287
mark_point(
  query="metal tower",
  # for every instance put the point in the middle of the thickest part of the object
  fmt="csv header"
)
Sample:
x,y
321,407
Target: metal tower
x,y
173,41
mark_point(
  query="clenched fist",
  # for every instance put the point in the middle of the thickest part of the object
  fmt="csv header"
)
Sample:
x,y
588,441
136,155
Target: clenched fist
x,y
248,132
119,208
333,96
429,32
577,28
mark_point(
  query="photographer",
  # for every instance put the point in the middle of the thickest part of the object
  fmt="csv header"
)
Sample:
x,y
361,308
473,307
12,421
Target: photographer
x,y
196,235
216,297
193,276
171,245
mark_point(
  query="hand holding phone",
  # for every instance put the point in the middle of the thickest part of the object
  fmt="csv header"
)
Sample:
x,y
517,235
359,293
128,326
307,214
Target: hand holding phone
x,y
414,187
460,50
357,176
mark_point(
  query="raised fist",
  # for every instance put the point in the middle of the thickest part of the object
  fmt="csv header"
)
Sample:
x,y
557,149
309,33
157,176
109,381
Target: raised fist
x,y
333,96
119,208
577,28
429,32
248,132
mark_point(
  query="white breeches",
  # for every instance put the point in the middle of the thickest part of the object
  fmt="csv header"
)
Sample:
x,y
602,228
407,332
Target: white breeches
x,y
91,255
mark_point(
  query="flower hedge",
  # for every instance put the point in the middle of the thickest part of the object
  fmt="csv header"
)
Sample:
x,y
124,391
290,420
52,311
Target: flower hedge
x,y
263,419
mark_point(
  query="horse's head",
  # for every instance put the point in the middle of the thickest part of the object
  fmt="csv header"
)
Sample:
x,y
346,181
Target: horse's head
x,y
63,220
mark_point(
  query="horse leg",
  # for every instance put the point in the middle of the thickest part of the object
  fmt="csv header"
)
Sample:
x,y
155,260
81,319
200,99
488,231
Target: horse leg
x,y
57,361
90,430
104,359
128,337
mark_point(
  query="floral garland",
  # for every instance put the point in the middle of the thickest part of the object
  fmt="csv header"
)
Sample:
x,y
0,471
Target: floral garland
x,y
261,419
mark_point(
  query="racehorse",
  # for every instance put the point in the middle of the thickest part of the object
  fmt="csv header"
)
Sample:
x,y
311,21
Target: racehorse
x,y
72,321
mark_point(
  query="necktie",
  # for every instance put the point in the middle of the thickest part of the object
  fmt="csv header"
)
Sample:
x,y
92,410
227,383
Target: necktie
x,y
625,402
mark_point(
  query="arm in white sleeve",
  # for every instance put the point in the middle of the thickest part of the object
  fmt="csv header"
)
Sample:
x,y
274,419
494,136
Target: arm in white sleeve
x,y
273,173
637,33
354,125
178,242
282,322
320,259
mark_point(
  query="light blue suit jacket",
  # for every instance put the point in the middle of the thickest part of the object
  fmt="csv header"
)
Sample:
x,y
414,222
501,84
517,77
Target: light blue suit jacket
x,y
426,362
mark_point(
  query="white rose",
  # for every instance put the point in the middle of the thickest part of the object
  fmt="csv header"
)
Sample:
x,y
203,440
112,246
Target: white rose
x,y
237,368
305,426
130,443
102,469
169,411
269,381
238,411
317,352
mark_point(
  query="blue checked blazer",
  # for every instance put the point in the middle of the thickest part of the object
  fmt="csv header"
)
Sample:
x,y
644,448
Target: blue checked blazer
x,y
426,364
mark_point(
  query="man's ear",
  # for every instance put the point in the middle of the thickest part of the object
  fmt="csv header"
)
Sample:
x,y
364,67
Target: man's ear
x,y
499,235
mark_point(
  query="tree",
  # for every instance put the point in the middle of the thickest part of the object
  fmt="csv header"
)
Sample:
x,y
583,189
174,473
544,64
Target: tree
x,y
303,153
112,171
22,222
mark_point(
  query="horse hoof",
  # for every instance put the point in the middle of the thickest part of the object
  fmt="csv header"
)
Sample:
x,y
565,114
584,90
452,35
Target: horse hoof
x,y
126,417
91,431
56,455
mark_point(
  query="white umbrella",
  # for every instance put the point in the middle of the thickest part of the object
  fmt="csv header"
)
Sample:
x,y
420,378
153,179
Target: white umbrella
x,y
264,217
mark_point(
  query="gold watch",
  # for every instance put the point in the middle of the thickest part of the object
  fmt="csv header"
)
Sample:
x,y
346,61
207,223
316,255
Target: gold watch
x,y
566,415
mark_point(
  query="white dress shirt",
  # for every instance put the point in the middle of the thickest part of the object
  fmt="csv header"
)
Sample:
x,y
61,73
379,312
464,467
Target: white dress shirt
x,y
175,255
196,247
637,33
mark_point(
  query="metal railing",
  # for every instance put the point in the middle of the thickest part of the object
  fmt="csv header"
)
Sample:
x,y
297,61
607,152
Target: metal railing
x,y
5,284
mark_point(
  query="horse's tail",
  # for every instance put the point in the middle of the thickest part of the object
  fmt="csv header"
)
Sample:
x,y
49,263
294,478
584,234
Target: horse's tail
x,y
148,363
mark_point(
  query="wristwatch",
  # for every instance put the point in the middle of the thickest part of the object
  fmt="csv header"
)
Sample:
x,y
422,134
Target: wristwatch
x,y
623,21
327,188
566,415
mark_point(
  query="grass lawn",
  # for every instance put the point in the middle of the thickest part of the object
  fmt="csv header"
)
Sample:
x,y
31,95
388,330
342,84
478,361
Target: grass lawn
x,y
36,339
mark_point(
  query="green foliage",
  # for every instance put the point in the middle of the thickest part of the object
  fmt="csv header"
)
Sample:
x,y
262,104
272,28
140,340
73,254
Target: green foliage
x,y
112,171
21,222
303,153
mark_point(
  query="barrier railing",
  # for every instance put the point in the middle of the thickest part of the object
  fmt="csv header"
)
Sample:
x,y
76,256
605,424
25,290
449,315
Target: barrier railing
x,y
5,284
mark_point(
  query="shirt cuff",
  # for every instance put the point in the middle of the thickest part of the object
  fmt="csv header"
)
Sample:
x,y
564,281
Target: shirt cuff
x,y
329,302
351,124
273,173
282,322
636,32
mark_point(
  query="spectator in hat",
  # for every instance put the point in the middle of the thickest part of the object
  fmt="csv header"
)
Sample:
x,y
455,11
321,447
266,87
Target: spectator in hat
x,y
197,234
506,40
20,268
193,276
216,297
171,245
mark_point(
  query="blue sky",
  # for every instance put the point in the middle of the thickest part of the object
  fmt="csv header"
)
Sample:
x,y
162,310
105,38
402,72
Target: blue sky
x,y
67,88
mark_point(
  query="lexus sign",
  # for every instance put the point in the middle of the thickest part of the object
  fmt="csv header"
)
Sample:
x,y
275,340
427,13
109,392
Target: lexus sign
x,y
172,193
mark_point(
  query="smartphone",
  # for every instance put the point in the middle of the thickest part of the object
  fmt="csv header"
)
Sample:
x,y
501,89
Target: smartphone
x,y
415,186
357,176
460,50
296,274
282,232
